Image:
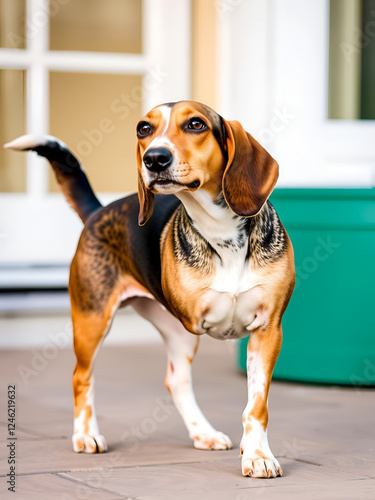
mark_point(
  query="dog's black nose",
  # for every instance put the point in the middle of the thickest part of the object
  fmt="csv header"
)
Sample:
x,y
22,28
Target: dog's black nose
x,y
157,159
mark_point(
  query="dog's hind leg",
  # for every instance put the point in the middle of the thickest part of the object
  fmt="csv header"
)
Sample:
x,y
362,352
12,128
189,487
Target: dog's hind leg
x,y
90,326
89,332
181,348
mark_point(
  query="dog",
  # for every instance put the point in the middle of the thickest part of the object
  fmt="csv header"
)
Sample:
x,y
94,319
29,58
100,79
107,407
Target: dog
x,y
212,259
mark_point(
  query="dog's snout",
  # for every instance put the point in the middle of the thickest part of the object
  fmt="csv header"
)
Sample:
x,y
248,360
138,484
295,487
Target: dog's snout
x,y
157,159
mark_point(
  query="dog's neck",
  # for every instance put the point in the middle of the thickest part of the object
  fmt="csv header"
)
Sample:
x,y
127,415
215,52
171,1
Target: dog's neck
x,y
214,221
262,237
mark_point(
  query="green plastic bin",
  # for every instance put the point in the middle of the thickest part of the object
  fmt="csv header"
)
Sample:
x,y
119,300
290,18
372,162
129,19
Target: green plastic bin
x,y
329,326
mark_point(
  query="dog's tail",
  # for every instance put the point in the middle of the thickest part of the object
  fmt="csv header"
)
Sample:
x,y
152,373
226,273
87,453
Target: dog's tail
x,y
69,174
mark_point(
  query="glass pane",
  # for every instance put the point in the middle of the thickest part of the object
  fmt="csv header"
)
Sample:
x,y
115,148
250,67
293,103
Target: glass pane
x,y
97,26
368,61
352,59
96,116
12,124
12,24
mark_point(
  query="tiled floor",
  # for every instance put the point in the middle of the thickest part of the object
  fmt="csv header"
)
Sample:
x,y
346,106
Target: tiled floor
x,y
324,437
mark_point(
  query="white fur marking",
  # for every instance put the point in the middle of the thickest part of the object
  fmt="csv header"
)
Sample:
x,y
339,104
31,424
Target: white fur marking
x,y
166,112
255,441
30,141
162,140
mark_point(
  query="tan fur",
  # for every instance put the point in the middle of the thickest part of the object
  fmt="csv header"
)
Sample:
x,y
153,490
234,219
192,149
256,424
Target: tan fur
x,y
183,287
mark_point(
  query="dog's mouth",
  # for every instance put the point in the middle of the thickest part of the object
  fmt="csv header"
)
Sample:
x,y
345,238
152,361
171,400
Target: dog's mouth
x,y
171,182
194,185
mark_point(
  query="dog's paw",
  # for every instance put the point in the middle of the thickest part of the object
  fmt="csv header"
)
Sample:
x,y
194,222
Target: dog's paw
x,y
84,443
261,467
212,441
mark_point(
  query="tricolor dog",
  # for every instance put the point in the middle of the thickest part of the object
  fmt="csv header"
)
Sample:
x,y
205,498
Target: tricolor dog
x,y
200,250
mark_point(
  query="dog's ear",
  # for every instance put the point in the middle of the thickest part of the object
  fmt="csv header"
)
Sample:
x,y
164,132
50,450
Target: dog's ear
x,y
251,172
145,196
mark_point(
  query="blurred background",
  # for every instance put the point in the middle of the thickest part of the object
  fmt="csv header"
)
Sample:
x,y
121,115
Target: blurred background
x,y
299,76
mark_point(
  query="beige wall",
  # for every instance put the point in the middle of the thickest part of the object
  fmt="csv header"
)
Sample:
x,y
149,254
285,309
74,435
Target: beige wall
x,y
12,24
12,124
12,98
204,52
96,116
106,26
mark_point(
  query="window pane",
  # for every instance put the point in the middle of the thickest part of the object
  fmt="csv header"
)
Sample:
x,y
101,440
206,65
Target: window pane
x,y
12,124
96,116
12,24
352,59
98,26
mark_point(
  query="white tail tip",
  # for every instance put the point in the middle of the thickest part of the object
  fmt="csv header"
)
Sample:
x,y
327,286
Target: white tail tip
x,y
31,141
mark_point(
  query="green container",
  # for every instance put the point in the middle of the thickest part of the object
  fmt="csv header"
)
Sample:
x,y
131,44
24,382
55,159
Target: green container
x,y
329,325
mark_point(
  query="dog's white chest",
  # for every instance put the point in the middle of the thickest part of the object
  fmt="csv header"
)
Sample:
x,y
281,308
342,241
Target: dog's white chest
x,y
232,306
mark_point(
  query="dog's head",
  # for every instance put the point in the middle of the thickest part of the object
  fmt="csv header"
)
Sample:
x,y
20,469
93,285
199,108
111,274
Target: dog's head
x,y
188,146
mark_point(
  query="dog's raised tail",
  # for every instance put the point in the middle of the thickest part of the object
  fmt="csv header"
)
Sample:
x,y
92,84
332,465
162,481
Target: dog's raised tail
x,y
69,174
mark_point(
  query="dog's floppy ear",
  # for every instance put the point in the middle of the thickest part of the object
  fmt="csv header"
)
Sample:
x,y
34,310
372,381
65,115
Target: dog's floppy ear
x,y
251,172
145,196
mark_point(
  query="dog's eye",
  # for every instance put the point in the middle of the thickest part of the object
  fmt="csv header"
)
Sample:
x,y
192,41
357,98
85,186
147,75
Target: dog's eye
x,y
196,124
144,129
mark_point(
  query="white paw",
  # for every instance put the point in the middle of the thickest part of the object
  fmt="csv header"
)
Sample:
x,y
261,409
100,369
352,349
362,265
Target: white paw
x,y
212,441
84,443
264,467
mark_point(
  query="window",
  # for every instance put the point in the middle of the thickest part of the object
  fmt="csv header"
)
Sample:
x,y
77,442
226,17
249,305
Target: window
x,y
87,76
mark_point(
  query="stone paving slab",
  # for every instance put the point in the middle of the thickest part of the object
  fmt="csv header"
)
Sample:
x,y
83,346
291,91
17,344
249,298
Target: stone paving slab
x,y
52,486
350,490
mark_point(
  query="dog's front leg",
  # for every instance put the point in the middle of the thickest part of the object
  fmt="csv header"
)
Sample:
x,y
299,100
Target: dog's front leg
x,y
262,352
181,348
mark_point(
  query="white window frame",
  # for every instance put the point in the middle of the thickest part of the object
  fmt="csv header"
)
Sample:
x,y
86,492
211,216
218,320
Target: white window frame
x,y
273,74
39,227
